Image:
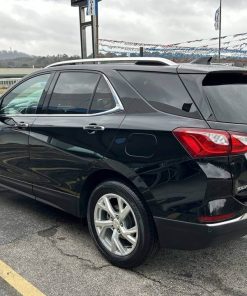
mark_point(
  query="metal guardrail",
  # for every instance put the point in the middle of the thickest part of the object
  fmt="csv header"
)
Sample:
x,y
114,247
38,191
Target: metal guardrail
x,y
8,82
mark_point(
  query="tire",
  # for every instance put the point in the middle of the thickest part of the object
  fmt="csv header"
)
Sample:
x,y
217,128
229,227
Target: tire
x,y
135,232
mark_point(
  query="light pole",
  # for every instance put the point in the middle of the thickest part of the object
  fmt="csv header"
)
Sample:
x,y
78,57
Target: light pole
x,y
83,34
94,23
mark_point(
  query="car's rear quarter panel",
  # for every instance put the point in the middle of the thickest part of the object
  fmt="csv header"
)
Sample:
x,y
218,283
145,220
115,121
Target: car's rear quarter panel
x,y
175,182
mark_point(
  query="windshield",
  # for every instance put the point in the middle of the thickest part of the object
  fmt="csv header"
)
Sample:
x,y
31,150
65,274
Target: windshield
x,y
227,95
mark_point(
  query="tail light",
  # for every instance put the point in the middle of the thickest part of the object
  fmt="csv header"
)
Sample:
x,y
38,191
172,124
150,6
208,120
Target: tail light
x,y
239,143
204,142
209,142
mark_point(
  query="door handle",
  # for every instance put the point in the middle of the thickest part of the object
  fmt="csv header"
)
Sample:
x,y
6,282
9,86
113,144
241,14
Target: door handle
x,y
94,127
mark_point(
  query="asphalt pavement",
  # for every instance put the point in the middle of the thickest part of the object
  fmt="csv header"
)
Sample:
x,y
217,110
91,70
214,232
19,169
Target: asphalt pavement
x,y
54,252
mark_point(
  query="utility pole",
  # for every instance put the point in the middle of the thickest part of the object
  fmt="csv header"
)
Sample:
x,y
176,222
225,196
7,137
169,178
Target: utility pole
x,y
141,51
220,30
97,35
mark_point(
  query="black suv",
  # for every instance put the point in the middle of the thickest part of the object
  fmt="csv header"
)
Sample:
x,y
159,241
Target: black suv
x,y
151,152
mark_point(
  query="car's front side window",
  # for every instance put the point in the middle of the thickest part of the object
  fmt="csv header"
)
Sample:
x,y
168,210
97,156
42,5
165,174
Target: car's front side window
x,y
24,99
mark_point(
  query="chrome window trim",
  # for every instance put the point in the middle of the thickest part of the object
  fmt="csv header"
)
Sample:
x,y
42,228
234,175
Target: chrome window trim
x,y
114,110
114,93
118,107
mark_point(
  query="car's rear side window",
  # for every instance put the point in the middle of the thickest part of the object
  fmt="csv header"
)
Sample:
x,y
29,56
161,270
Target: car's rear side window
x,y
103,99
73,93
227,95
163,91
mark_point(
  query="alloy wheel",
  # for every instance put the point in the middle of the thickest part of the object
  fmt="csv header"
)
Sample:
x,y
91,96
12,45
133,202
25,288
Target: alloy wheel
x,y
116,224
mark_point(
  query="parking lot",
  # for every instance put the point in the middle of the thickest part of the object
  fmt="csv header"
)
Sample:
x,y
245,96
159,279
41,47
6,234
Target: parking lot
x,y
53,251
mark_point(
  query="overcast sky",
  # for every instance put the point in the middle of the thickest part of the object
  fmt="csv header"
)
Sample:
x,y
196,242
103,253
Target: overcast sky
x,y
44,27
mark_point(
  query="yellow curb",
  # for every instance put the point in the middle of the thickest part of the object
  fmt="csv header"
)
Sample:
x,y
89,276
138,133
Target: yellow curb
x,y
17,282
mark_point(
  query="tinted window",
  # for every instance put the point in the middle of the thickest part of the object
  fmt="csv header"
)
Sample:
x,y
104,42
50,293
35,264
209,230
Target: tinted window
x,y
193,83
103,99
227,95
24,99
73,93
164,92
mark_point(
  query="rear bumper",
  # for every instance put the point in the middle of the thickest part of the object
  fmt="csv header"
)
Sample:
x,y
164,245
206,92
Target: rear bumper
x,y
192,236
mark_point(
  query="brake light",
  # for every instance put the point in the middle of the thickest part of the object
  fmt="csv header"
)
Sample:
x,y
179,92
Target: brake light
x,y
209,142
204,142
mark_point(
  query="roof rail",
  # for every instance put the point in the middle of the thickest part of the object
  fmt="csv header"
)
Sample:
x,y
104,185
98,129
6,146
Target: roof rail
x,y
137,61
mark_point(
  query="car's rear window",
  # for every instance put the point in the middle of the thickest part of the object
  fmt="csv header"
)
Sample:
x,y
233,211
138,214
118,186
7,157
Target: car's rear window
x,y
164,91
227,95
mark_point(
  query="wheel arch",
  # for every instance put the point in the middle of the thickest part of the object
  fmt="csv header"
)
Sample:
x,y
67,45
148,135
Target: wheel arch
x,y
103,175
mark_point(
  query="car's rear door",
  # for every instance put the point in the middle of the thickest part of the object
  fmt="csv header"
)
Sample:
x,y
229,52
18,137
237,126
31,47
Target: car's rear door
x,y
78,124
17,113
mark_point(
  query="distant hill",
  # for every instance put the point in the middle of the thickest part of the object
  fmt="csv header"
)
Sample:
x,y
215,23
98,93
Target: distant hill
x,y
26,61
12,54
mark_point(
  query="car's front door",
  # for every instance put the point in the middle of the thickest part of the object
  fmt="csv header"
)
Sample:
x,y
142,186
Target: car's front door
x,y
74,132
17,113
